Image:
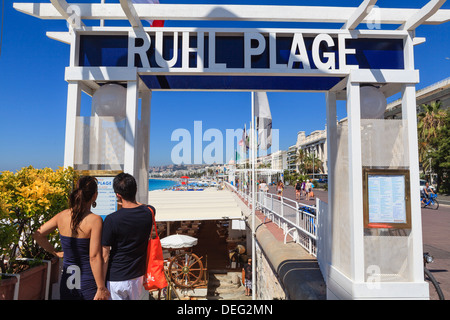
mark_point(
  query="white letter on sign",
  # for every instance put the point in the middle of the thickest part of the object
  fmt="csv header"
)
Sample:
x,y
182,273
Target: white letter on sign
x,y
343,51
141,51
249,51
273,52
298,43
159,50
187,49
331,61
212,53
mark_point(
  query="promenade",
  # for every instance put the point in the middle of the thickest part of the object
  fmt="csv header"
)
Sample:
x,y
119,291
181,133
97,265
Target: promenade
x,y
435,230
296,268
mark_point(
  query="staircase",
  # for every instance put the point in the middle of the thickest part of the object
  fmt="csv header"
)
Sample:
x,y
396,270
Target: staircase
x,y
226,286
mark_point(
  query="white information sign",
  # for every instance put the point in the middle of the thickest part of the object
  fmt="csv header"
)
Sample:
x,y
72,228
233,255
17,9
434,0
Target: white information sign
x,y
106,200
387,199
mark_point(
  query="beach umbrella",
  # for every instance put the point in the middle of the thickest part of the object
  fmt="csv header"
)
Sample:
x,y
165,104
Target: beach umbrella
x,y
185,179
178,241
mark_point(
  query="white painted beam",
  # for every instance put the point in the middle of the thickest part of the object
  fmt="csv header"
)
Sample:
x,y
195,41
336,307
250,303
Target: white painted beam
x,y
68,12
384,76
130,12
64,37
422,15
360,13
100,73
111,11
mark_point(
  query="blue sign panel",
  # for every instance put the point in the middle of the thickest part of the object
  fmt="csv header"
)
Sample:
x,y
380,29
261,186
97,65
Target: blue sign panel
x,y
195,63
249,83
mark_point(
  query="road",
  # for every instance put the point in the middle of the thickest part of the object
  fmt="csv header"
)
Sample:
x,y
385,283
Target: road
x,y
444,199
436,241
435,235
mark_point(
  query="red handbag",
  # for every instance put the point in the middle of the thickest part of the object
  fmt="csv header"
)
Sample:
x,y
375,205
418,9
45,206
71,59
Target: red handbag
x,y
154,278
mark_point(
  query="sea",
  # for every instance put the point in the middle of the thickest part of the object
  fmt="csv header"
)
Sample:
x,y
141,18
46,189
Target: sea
x,y
157,184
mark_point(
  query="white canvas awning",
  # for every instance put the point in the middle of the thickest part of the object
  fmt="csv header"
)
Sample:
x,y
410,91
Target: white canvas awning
x,y
209,204
238,225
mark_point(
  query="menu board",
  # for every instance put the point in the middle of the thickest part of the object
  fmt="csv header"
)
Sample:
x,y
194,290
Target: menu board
x,y
106,199
386,197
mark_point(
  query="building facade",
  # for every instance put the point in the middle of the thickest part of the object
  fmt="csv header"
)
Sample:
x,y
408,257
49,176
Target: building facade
x,y
314,145
440,91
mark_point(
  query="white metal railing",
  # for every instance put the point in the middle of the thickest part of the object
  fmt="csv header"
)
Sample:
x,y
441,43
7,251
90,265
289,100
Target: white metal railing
x,y
295,219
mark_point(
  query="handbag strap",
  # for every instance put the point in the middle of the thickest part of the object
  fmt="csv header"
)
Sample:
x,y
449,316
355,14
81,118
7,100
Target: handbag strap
x,y
154,222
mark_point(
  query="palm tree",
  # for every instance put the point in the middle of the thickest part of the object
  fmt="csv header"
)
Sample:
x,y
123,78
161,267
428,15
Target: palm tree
x,y
300,160
312,164
430,122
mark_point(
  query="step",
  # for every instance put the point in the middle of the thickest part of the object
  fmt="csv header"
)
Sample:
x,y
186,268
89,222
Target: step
x,y
226,286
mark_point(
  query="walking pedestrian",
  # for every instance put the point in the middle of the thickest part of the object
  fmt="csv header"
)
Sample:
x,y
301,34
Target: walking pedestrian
x,y
307,189
247,271
303,188
263,186
298,188
280,187
125,237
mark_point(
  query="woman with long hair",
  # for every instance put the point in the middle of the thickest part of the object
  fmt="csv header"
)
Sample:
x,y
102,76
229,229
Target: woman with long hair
x,y
280,188
80,234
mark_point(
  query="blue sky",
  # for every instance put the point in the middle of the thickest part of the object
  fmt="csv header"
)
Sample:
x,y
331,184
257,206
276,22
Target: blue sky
x,y
33,92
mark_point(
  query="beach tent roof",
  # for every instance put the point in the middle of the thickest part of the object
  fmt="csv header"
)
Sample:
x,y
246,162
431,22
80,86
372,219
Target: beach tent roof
x,y
209,204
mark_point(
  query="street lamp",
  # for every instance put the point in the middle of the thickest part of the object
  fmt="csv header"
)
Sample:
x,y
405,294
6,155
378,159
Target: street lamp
x,y
429,165
110,101
373,103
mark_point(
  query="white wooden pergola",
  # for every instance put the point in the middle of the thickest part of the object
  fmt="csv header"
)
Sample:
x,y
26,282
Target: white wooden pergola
x,y
351,281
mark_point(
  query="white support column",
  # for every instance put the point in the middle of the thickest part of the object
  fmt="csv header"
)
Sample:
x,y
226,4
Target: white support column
x,y
355,182
145,133
409,116
332,157
73,111
130,130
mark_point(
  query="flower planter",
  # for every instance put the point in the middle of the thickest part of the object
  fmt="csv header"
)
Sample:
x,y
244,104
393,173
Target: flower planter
x,y
33,282
8,287
55,275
